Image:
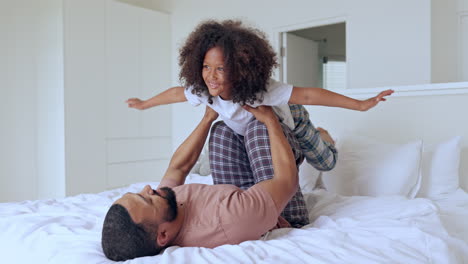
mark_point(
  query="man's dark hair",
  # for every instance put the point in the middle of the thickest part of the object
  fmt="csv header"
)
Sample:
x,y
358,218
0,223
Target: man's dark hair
x,y
248,57
123,239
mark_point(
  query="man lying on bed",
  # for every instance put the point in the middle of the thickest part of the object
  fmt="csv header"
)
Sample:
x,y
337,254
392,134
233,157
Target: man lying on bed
x,y
143,224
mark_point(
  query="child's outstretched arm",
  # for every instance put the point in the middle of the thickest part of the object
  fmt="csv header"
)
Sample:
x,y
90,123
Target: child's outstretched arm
x,y
170,96
319,96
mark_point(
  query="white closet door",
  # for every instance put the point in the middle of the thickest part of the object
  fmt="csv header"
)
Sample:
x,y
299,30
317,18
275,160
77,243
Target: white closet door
x,y
138,52
18,75
301,64
464,48
113,51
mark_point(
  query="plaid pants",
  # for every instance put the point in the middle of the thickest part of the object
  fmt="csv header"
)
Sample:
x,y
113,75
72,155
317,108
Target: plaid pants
x,y
318,153
246,160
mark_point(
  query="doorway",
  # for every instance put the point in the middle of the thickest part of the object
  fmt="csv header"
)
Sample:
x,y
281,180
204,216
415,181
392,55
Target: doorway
x,y
314,56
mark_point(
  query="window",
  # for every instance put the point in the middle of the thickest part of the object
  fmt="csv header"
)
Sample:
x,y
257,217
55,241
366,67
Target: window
x,y
334,75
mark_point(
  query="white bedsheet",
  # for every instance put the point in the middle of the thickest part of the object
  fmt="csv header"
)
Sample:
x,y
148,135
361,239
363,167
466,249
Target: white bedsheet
x,y
343,230
453,211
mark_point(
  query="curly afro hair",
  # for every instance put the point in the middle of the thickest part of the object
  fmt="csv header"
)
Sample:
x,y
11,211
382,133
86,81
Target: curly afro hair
x,y
248,57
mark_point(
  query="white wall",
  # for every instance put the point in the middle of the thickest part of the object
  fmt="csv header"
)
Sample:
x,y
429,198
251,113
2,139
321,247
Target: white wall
x,y
388,42
164,6
432,118
76,112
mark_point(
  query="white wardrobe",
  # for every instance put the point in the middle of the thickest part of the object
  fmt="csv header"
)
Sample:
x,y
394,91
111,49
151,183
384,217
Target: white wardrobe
x,y
67,68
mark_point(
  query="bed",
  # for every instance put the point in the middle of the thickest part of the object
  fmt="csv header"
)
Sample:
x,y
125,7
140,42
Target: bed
x,y
396,196
343,229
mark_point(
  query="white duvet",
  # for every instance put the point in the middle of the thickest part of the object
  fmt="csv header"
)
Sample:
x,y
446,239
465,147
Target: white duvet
x,y
342,230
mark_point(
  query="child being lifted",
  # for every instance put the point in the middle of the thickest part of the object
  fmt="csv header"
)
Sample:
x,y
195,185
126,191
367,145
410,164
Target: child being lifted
x,y
226,65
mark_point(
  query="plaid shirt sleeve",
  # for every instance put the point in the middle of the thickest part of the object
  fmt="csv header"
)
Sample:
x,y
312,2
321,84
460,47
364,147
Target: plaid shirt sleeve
x,y
318,153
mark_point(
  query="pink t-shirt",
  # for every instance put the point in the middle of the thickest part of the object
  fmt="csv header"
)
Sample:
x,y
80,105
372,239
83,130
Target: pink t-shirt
x,y
224,214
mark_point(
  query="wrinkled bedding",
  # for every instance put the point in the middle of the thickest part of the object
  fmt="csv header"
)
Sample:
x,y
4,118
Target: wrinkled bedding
x,y
354,229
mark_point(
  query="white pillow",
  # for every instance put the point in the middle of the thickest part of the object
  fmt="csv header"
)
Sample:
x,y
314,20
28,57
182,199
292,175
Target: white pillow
x,y
440,168
308,176
205,164
202,166
367,167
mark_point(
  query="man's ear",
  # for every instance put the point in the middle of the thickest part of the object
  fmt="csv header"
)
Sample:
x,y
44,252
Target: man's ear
x,y
163,236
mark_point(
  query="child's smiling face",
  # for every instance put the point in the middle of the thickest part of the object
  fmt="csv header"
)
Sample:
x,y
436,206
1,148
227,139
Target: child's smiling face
x,y
214,74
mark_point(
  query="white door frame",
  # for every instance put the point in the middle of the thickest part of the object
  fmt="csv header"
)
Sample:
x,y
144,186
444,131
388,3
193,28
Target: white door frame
x,y
461,49
278,37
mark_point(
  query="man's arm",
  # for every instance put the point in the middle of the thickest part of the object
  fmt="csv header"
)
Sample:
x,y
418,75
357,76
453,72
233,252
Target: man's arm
x,y
284,183
188,152
170,96
319,96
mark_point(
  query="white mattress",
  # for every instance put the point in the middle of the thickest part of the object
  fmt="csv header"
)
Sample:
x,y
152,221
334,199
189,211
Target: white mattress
x,y
342,230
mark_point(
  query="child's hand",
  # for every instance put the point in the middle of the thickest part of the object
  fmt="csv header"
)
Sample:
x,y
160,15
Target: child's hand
x,y
135,103
262,113
210,114
371,102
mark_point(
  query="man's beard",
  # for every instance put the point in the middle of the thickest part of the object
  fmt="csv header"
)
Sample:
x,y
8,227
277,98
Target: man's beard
x,y
170,197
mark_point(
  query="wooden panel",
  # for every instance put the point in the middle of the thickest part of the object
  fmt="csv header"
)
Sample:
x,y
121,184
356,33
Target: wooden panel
x,y
138,65
50,100
138,149
123,68
122,174
156,70
85,95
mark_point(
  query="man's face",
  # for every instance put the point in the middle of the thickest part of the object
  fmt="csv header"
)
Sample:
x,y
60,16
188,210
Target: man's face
x,y
150,206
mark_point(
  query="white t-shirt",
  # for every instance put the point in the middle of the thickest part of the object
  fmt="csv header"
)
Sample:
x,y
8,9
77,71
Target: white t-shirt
x,y
237,118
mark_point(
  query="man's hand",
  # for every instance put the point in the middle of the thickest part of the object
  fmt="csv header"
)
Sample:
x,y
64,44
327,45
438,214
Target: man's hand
x,y
188,152
136,103
263,113
371,102
325,135
210,114
285,181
